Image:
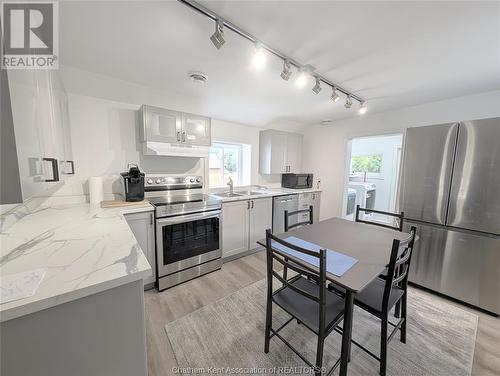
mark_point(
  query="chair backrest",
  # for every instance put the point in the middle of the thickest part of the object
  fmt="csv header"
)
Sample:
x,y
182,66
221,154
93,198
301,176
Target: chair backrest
x,y
398,218
288,214
399,264
301,268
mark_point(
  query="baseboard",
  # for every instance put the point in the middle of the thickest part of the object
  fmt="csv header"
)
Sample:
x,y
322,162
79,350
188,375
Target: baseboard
x,y
242,254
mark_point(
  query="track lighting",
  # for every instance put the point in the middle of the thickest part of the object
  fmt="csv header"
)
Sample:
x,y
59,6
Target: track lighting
x,y
348,102
317,87
217,37
335,97
301,78
362,108
259,57
287,70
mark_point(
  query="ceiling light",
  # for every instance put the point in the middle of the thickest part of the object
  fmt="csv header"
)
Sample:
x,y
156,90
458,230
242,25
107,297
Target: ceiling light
x,y
217,37
362,108
259,57
287,70
301,79
317,87
335,97
348,102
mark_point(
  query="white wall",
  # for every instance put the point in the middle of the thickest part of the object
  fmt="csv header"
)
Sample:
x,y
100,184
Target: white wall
x,y
325,148
104,131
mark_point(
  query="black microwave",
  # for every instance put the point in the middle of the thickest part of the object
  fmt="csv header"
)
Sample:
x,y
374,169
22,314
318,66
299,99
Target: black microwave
x,y
297,181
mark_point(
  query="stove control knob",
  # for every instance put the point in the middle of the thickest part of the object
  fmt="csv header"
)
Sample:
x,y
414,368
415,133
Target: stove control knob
x,y
158,181
150,181
191,180
198,179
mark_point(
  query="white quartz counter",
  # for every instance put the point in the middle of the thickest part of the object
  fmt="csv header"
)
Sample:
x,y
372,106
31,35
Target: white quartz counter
x,y
84,249
268,192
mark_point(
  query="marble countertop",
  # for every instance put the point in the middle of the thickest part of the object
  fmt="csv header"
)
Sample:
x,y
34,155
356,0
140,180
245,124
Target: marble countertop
x,y
268,192
85,250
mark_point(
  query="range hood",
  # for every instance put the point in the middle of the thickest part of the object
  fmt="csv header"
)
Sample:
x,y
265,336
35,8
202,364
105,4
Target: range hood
x,y
174,150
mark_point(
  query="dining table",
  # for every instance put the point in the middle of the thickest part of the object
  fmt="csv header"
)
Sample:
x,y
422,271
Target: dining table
x,y
370,245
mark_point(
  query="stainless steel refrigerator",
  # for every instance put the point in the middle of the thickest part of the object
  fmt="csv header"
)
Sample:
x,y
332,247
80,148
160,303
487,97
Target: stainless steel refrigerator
x,y
450,189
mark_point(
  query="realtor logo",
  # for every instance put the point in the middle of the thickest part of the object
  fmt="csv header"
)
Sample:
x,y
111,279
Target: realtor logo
x,y
30,35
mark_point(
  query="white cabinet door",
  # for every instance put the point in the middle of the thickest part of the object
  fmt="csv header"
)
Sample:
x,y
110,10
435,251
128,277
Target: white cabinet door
x,y
235,226
261,212
196,130
161,125
142,226
316,202
278,153
294,152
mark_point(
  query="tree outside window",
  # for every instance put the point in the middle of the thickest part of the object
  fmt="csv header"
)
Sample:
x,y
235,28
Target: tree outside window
x,y
366,163
225,161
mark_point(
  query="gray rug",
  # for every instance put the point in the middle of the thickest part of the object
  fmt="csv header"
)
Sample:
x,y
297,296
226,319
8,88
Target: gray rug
x,y
230,333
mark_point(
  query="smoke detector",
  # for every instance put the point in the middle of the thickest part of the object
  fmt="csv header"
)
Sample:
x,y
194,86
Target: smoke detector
x,y
199,78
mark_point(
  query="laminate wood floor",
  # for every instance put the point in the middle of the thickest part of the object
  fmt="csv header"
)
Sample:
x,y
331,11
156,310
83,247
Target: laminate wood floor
x,y
169,305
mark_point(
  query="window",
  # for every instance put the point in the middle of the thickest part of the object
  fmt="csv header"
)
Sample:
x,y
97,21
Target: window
x,y
367,163
229,161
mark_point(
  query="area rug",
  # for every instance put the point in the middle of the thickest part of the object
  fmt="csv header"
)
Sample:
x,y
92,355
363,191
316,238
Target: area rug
x,y
227,337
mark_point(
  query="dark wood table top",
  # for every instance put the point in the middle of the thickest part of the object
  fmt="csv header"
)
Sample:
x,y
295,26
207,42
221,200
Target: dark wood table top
x,y
369,244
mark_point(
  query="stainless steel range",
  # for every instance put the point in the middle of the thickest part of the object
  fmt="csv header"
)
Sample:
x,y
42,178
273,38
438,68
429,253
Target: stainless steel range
x,y
187,228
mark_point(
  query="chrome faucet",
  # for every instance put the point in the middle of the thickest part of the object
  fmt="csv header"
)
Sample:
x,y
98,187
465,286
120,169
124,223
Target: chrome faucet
x,y
230,184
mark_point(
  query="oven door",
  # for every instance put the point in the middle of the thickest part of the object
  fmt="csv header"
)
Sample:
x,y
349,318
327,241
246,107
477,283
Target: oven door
x,y
187,240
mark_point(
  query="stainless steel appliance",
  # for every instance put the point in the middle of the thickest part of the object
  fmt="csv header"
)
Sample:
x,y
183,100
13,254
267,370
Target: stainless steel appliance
x,y
450,188
297,181
366,194
280,204
187,228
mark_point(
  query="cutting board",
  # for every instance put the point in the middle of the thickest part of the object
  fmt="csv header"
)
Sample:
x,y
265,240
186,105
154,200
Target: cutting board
x,y
121,203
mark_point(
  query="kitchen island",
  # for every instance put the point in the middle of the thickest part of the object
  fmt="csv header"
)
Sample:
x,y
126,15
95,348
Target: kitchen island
x,y
87,315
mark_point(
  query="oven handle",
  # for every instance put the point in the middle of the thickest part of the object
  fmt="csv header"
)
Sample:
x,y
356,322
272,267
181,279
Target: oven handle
x,y
188,217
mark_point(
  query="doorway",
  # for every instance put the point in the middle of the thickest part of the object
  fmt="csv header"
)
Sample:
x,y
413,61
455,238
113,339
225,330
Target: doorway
x,y
372,174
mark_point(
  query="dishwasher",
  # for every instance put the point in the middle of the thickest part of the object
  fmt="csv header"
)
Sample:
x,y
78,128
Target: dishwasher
x,y
280,204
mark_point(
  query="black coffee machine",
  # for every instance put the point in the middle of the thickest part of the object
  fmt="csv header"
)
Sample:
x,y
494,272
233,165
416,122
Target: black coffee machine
x,y
133,183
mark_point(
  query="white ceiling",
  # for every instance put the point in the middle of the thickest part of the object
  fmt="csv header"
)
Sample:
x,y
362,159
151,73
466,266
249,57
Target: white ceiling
x,y
393,54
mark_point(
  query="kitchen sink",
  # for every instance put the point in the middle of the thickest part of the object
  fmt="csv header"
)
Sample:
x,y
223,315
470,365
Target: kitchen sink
x,y
228,194
251,193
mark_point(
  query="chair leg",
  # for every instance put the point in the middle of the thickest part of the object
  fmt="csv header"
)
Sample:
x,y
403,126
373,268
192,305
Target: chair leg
x,y
269,317
403,315
383,344
397,309
319,355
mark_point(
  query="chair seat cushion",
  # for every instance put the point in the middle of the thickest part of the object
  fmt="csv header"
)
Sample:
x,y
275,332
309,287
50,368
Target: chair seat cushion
x,y
371,297
306,310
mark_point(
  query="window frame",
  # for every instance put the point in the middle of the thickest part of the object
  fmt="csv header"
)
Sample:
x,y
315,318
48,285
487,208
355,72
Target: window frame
x,y
368,174
222,145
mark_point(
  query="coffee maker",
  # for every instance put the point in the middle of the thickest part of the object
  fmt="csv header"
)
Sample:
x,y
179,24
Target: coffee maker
x,y
133,183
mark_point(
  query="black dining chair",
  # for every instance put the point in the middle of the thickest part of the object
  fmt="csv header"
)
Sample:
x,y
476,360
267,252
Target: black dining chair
x,y
397,218
304,297
380,296
288,214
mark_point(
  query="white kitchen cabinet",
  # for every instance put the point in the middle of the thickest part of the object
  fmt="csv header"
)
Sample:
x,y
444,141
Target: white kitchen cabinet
x,y
142,226
243,223
40,117
235,227
307,199
174,127
280,152
196,130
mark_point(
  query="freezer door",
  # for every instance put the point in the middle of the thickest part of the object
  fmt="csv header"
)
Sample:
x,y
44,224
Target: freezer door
x,y
426,173
475,189
463,265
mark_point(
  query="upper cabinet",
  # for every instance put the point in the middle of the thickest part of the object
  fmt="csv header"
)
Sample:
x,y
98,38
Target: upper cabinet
x,y
280,152
40,118
174,133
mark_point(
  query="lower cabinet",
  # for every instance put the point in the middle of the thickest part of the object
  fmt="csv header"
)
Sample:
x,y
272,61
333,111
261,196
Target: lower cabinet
x,y
142,226
307,199
243,223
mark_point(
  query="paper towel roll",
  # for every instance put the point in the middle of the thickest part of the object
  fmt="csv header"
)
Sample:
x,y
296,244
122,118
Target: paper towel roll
x,y
96,194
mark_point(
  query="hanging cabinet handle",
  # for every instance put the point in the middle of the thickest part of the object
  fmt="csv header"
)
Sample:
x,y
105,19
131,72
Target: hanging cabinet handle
x,y
252,204
178,136
55,169
184,136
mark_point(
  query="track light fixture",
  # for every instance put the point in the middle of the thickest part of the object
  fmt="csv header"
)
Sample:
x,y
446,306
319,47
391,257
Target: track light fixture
x,y
362,108
335,97
301,78
287,70
317,86
348,102
217,37
259,57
